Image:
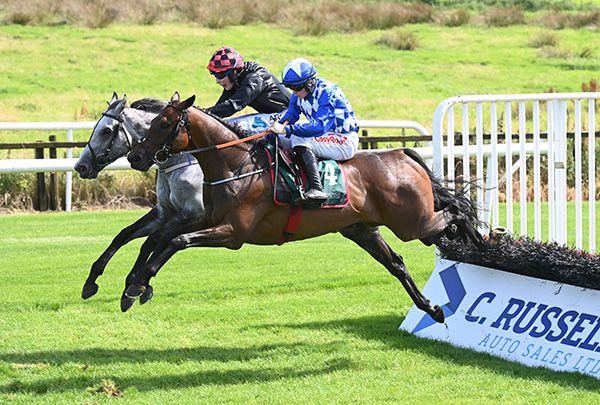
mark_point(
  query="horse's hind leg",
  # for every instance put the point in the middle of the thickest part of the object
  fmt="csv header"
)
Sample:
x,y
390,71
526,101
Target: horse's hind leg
x,y
371,240
142,227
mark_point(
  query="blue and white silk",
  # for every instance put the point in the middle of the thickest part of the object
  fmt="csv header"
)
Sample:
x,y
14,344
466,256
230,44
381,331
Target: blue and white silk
x,y
326,109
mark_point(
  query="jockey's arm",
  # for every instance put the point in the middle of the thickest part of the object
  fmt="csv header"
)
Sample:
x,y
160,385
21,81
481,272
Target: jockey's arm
x,y
249,89
322,122
292,114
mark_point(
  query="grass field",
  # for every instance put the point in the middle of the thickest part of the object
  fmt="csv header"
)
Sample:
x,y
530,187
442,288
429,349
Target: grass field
x,y
65,73
308,322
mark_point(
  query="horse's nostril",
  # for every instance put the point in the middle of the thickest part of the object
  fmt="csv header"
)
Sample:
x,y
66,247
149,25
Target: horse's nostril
x,y
80,168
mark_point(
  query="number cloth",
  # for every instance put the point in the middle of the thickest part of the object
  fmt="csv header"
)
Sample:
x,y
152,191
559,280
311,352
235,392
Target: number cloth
x,y
333,178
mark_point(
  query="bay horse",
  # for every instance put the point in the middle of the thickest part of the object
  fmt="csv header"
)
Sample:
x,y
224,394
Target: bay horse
x,y
393,188
178,184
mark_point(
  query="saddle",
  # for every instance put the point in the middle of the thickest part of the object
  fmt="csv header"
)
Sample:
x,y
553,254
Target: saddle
x,y
288,179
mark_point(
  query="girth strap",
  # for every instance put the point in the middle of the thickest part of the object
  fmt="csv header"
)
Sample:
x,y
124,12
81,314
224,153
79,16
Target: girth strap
x,y
292,225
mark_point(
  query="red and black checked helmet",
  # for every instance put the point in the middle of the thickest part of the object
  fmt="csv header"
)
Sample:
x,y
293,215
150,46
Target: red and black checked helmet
x,y
225,59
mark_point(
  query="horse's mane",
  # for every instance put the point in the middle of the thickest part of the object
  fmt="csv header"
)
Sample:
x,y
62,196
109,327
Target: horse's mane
x,y
156,106
235,128
149,104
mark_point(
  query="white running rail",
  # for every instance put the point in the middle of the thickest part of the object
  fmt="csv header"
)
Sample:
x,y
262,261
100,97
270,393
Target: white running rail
x,y
67,164
548,117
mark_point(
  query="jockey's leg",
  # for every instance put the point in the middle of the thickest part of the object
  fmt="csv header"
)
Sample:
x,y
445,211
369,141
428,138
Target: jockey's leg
x,y
330,145
314,191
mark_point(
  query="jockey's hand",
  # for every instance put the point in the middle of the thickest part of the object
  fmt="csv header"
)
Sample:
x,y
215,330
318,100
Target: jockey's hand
x,y
277,128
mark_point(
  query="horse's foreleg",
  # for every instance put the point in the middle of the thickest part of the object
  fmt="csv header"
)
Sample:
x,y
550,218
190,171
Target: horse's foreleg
x,y
371,240
145,251
142,227
219,236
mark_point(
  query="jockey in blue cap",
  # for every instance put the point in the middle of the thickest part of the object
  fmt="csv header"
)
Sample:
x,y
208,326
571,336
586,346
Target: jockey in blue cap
x,y
331,131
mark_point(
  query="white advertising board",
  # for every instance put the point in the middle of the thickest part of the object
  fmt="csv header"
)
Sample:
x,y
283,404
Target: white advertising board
x,y
536,322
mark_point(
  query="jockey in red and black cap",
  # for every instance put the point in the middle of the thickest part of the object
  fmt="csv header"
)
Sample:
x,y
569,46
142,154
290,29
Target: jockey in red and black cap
x,y
225,61
245,84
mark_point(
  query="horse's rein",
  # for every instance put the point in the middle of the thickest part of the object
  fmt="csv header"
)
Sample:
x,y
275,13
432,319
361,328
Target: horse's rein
x,y
183,122
231,143
227,144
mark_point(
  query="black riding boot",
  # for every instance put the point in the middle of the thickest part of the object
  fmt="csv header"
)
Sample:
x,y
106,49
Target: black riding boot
x,y
314,190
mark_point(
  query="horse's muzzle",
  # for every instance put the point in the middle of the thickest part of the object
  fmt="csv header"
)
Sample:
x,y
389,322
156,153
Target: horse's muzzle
x,y
139,162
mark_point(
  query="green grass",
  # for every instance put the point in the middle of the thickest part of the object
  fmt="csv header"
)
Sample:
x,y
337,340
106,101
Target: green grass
x,y
55,73
309,322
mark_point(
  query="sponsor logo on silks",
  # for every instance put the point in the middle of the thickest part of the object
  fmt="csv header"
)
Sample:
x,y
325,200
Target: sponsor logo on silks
x,y
455,292
259,123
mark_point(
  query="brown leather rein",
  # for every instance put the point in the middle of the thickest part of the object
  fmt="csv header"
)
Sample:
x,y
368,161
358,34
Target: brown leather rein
x,y
228,144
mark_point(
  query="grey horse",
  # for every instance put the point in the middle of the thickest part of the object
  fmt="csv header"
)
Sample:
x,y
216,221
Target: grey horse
x,y
178,185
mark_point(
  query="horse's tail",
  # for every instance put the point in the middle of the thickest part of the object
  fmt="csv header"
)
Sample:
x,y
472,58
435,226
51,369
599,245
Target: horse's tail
x,y
456,203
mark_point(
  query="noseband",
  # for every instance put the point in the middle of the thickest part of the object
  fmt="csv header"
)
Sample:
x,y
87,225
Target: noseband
x,y
103,159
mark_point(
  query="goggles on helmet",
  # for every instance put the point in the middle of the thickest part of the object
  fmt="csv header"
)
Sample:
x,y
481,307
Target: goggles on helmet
x,y
295,87
221,75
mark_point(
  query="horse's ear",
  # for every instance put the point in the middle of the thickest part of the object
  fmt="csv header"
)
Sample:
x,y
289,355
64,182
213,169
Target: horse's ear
x,y
125,100
188,103
114,98
175,97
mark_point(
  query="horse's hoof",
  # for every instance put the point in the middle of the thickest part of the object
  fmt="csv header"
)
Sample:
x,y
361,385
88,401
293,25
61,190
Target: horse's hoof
x,y
438,314
135,290
497,235
89,290
147,295
126,303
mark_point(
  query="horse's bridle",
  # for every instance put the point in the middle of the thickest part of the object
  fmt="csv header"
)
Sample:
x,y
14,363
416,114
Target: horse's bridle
x,y
163,153
101,160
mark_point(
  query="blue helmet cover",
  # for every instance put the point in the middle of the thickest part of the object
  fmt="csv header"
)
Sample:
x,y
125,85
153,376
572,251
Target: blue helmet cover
x,y
298,71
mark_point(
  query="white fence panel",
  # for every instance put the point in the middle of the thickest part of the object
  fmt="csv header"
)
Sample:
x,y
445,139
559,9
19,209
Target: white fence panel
x,y
550,164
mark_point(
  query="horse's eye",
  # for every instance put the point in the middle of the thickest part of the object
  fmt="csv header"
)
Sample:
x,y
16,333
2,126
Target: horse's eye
x,y
107,131
165,125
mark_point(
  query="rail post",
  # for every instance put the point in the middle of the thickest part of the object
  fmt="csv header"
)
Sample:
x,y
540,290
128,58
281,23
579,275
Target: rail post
x,y
54,199
364,144
41,202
